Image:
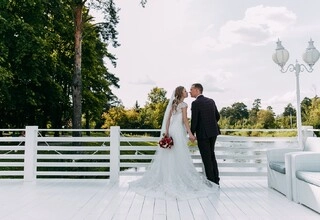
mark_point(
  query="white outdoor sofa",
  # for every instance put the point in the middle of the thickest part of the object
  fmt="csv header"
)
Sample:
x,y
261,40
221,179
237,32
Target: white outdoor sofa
x,y
306,179
279,166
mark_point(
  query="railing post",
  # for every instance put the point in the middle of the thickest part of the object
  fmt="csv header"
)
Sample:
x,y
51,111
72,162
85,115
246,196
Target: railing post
x,y
306,133
30,153
114,153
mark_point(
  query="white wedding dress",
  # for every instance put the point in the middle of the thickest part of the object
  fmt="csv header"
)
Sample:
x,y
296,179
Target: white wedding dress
x,y
171,173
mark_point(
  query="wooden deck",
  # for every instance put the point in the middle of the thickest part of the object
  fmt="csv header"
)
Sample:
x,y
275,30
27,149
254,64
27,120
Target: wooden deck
x,y
238,198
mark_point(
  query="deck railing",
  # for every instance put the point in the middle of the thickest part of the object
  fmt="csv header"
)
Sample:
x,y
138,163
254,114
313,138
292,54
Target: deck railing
x,y
108,153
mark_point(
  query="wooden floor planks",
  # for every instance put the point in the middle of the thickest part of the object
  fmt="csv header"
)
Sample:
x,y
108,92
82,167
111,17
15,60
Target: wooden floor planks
x,y
238,198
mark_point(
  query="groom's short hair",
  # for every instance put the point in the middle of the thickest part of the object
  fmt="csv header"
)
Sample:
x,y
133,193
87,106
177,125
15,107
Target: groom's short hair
x,y
198,86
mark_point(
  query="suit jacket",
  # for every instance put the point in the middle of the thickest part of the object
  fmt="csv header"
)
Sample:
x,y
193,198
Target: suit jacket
x,y
204,118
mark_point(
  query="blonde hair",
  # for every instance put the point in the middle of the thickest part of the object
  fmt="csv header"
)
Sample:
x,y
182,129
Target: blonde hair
x,y
178,93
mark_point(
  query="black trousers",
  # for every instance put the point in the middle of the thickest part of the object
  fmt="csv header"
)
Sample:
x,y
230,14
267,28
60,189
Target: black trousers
x,y
206,147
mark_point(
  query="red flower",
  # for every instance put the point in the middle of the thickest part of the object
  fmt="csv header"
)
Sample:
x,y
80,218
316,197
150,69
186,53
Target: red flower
x,y
166,142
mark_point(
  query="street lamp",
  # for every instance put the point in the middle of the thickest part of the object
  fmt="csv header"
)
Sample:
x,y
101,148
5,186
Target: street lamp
x,y
311,56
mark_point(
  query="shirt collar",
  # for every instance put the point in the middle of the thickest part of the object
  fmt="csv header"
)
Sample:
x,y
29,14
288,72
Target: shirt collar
x,y
199,96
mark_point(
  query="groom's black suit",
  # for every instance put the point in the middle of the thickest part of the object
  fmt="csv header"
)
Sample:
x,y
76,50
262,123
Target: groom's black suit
x,y
204,122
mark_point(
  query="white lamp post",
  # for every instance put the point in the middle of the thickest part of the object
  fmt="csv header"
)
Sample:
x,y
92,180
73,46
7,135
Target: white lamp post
x,y
281,57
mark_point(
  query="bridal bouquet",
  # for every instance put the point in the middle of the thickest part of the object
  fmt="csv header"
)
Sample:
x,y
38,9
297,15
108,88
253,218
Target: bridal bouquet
x,y
166,142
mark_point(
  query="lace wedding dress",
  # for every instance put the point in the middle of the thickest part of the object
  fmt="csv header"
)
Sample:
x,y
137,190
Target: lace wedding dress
x,y
172,173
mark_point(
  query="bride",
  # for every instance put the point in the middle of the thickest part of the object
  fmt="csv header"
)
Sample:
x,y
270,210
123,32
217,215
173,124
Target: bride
x,y
171,173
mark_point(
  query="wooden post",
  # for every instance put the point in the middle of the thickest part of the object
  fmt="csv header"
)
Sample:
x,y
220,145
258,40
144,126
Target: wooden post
x,y
114,153
30,153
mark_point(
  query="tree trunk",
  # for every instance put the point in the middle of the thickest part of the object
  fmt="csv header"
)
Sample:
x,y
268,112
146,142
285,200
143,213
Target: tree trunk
x,y
77,80
87,123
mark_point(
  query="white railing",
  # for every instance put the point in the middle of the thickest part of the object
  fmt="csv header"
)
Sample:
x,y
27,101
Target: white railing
x,y
109,153
12,153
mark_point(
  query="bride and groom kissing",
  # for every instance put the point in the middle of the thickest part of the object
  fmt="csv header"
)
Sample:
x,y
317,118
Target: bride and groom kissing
x,y
171,173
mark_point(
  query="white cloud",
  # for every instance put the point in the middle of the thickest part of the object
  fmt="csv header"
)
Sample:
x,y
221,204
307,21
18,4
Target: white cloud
x,y
213,81
236,32
275,19
156,49
144,81
290,97
279,102
260,25
205,43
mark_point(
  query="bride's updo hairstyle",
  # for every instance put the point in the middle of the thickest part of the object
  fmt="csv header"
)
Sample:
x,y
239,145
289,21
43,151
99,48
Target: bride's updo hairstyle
x,y
178,93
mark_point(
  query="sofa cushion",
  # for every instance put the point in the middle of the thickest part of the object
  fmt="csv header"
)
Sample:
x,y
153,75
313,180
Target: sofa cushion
x,y
309,177
278,166
312,144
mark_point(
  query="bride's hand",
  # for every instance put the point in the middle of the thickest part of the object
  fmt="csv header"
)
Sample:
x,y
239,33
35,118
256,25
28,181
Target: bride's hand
x,y
192,138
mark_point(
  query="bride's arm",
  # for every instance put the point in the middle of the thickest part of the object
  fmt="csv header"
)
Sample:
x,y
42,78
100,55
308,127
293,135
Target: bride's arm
x,y
186,122
168,123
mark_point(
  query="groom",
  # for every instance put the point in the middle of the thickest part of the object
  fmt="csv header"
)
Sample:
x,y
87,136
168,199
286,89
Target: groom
x,y
204,123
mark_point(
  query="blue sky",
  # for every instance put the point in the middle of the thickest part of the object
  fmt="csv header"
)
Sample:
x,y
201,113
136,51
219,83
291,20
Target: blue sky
x,y
225,45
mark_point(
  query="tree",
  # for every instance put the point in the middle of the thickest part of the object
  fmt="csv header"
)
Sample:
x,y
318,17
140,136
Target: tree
x,y
226,112
240,111
136,106
156,95
265,119
148,117
289,116
153,112
29,44
36,58
254,111
108,33
114,117
97,79
143,2
256,104
305,108
314,113
289,110
236,114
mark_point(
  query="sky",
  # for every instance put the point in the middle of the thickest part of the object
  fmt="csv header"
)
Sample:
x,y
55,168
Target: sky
x,y
226,46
